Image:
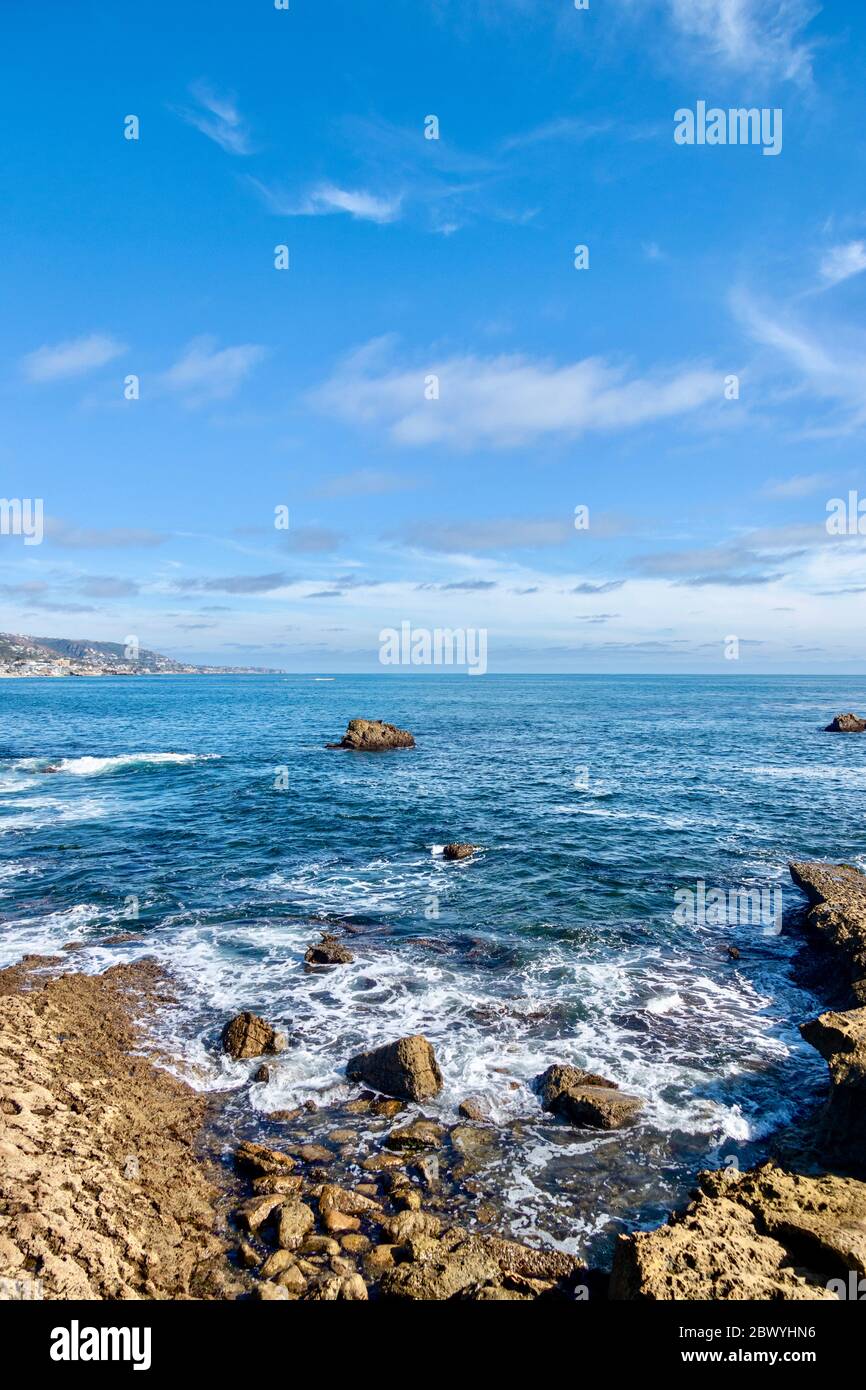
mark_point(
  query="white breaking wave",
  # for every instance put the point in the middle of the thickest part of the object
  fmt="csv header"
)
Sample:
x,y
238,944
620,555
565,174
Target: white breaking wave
x,y
91,767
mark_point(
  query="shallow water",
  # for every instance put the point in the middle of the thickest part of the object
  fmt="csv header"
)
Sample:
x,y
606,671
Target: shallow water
x,y
211,808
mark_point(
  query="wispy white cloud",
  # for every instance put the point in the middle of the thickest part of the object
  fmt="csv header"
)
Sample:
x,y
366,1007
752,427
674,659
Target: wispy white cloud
x,y
327,198
803,485
72,358
505,401
218,118
829,363
759,37
208,373
367,482
841,262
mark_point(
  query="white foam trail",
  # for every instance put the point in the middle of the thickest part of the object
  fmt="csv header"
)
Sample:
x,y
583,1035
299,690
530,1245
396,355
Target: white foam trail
x,y
91,767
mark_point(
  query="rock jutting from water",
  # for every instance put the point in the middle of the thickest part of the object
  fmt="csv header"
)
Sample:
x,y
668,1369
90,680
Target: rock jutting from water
x,y
247,1035
406,1069
373,736
846,724
458,851
584,1099
328,951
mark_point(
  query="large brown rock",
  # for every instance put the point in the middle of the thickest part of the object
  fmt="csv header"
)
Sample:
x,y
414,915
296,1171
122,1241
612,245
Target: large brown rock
x,y
373,736
406,1068
458,851
846,724
764,1235
247,1035
841,1040
584,1099
329,951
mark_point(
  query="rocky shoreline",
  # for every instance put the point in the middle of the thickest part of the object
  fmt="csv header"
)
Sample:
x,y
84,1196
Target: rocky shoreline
x,y
770,1233
105,1191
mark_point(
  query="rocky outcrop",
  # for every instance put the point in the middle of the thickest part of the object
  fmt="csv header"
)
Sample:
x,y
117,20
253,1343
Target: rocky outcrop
x,y
406,1068
837,893
247,1035
764,1235
458,851
103,1192
584,1099
846,724
457,1265
329,951
841,1040
373,736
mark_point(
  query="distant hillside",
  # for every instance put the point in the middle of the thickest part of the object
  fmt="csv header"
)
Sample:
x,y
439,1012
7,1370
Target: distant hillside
x,y
22,655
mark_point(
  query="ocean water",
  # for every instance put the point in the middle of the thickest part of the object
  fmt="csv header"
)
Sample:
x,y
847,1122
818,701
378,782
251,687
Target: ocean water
x,y
205,818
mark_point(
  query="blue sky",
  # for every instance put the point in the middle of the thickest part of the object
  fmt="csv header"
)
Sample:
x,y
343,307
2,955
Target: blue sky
x,y
410,258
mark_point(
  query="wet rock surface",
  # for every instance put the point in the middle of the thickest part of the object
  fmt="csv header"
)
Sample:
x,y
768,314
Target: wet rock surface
x,y
406,1069
247,1035
584,1099
329,951
396,1237
458,851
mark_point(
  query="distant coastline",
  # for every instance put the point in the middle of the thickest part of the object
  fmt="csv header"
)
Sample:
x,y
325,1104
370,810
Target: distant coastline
x,y
23,656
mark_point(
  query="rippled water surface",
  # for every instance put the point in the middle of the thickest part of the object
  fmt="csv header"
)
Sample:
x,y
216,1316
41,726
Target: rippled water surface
x,y
211,807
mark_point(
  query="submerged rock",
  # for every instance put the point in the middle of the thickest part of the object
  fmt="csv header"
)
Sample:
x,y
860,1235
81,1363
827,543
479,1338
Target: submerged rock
x,y
247,1035
846,724
458,851
406,1068
586,1100
373,736
329,951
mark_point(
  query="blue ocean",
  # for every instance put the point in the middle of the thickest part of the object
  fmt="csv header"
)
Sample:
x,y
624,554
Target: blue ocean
x,y
201,820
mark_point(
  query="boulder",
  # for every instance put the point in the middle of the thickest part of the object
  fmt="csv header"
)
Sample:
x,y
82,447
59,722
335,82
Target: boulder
x,y
472,1110
584,1099
247,1035
255,1212
373,736
334,1198
420,1134
258,1158
329,951
296,1222
263,1075
406,1068
458,851
846,724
